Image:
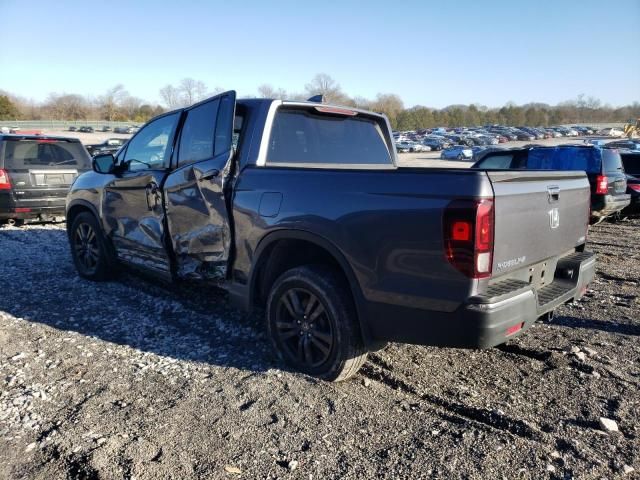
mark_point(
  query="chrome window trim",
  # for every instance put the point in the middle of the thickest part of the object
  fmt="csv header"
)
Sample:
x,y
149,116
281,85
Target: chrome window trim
x,y
266,133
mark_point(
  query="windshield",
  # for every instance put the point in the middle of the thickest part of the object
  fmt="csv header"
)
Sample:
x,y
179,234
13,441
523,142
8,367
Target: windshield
x,y
43,154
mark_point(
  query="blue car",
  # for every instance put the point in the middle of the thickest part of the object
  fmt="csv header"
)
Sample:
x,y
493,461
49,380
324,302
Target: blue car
x,y
457,152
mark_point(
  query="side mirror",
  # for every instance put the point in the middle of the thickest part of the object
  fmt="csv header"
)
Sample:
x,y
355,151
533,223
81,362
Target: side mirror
x,y
104,163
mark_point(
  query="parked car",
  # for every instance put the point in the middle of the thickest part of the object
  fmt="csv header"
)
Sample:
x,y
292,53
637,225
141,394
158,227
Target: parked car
x,y
403,147
624,144
105,128
631,163
436,144
457,152
35,174
73,128
86,129
111,145
527,137
602,165
553,133
611,132
338,270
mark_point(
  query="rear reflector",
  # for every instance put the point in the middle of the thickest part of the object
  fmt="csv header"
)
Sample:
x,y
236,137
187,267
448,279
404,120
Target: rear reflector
x,y
22,210
602,185
5,182
514,329
635,187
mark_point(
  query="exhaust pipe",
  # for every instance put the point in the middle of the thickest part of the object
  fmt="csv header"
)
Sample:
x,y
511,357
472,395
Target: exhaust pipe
x,y
11,222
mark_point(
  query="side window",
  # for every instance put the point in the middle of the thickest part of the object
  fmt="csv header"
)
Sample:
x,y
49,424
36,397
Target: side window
x,y
198,133
612,161
151,147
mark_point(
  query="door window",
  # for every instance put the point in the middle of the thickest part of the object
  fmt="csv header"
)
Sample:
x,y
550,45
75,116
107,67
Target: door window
x,y
151,147
197,138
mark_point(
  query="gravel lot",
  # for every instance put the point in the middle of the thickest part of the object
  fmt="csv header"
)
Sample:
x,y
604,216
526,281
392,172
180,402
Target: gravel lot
x,y
131,379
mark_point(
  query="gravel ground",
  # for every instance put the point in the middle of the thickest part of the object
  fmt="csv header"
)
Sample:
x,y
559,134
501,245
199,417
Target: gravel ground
x,y
131,379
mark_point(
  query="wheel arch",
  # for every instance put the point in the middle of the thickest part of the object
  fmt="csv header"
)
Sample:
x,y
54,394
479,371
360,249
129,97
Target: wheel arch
x,y
266,256
78,206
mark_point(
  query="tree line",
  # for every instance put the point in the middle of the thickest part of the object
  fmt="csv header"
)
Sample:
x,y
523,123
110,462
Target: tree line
x,y
116,104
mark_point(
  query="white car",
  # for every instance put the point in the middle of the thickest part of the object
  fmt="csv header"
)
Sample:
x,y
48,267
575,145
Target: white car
x,y
611,132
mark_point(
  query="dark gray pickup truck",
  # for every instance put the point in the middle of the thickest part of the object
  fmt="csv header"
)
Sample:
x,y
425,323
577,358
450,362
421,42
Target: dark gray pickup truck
x,y
300,208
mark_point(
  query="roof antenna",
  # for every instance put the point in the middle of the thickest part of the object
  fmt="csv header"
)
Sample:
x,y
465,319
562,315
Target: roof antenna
x,y
317,99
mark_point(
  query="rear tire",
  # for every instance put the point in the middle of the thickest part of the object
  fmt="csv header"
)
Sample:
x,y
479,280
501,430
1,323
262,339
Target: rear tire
x,y
312,323
90,250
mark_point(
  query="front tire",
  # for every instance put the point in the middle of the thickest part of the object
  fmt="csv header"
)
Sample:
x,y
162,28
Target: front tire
x,y
89,249
312,323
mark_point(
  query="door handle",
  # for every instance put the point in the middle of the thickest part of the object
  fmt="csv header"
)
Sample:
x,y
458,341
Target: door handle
x,y
208,175
151,189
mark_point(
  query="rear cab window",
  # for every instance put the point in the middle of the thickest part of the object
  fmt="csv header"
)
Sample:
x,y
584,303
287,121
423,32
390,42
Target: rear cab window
x,y
305,136
43,154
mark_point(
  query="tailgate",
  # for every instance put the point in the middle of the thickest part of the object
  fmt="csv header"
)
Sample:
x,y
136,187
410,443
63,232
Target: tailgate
x,y
538,215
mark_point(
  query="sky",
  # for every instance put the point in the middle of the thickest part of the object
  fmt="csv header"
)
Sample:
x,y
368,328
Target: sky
x,y
432,53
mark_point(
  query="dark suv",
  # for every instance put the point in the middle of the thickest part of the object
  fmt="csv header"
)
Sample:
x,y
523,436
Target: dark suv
x,y
631,162
35,174
603,167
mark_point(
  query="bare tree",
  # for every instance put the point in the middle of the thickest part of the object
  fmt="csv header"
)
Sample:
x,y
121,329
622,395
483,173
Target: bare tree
x,y
267,91
110,101
170,96
323,84
192,90
66,106
388,103
130,106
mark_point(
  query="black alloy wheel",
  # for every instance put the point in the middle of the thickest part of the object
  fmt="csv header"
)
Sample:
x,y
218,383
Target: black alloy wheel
x,y
87,251
90,250
312,323
303,328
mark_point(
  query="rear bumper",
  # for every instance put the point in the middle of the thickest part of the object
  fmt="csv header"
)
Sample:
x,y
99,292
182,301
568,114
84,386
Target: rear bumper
x,y
42,210
485,321
609,204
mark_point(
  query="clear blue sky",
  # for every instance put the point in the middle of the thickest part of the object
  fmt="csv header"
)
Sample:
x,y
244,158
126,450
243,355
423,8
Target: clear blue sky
x,y
432,53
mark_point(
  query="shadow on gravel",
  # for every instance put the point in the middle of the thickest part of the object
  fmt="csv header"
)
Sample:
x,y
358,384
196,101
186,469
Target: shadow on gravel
x,y
609,326
184,322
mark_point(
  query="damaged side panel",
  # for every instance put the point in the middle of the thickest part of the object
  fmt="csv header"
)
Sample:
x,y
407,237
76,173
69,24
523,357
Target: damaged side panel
x,y
198,221
194,193
134,220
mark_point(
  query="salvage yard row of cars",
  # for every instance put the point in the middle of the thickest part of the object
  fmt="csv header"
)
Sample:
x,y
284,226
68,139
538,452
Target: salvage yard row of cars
x,y
106,128
241,202
445,140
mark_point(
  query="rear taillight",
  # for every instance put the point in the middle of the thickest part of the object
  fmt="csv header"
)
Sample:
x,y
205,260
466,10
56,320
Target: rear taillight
x,y
5,183
602,185
468,236
635,187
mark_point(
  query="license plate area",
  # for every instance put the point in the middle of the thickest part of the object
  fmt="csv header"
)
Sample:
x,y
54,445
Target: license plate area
x,y
48,178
